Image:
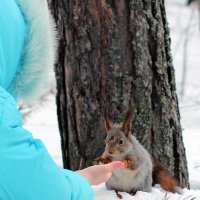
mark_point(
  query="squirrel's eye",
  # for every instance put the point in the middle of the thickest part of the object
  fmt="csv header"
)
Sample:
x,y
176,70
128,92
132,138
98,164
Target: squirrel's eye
x,y
121,142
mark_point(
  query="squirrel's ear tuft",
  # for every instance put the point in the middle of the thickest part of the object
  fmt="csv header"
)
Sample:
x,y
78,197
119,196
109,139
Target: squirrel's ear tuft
x,y
128,120
107,124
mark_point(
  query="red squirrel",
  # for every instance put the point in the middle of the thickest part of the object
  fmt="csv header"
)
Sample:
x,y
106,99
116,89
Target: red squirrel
x,y
140,171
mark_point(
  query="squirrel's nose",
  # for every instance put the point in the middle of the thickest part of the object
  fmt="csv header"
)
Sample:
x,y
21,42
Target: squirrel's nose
x,y
110,152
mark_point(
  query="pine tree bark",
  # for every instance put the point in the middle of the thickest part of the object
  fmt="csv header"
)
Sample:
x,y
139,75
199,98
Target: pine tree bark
x,y
116,53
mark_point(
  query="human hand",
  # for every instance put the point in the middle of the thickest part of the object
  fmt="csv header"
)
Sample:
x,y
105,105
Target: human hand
x,y
100,173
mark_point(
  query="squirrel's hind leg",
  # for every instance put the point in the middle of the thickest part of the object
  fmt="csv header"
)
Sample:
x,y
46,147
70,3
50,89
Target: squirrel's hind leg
x,y
147,187
118,195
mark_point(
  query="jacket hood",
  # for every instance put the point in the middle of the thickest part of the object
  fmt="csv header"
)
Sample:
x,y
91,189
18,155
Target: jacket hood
x,y
37,54
12,34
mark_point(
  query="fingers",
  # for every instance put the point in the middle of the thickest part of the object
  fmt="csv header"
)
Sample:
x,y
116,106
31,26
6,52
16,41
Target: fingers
x,y
114,165
100,173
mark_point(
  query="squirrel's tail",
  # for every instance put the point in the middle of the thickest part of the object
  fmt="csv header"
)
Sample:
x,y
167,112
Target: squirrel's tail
x,y
162,176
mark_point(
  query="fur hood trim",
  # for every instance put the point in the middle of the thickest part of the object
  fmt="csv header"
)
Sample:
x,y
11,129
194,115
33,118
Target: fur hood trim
x,y
38,56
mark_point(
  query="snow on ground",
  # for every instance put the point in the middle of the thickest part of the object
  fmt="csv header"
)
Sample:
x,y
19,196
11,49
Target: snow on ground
x,y
157,194
184,22
43,122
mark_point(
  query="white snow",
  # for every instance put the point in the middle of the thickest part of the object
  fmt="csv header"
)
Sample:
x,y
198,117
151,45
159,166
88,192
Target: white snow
x,y
184,22
101,193
43,122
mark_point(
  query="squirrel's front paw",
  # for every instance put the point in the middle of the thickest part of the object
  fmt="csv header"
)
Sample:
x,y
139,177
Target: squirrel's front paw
x,y
128,164
101,160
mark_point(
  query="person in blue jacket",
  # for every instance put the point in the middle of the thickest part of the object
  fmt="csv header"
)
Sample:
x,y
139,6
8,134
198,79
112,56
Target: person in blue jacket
x,y
27,51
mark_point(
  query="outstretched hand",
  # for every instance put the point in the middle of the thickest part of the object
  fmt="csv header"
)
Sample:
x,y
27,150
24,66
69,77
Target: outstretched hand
x,y
100,173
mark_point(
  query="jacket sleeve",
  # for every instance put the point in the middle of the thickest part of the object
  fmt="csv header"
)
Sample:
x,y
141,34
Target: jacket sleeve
x,y
81,189
27,171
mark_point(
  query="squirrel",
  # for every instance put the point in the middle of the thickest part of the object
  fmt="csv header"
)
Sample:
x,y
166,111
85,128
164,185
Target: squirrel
x,y
140,171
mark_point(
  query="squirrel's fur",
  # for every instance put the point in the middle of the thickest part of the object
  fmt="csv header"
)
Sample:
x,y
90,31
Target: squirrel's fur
x,y
162,176
140,170
122,145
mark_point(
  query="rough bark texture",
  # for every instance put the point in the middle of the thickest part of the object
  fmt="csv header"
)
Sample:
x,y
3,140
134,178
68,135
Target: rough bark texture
x,y
116,53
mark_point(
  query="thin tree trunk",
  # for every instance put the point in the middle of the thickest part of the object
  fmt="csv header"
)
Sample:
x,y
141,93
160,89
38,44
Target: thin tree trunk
x,y
114,54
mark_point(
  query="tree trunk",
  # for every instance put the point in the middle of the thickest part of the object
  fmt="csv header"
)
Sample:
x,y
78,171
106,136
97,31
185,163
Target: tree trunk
x,y
114,54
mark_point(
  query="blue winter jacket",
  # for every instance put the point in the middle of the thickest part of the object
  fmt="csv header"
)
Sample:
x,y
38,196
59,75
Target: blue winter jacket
x,y
27,172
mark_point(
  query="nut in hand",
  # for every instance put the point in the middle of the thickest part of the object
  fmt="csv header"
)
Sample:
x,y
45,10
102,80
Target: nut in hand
x,y
101,160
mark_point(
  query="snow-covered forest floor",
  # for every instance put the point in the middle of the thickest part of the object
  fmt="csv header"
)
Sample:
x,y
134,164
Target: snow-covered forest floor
x,y
185,32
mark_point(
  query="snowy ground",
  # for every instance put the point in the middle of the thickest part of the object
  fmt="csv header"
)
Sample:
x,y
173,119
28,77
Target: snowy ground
x,y
43,122
184,22
43,125
157,194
